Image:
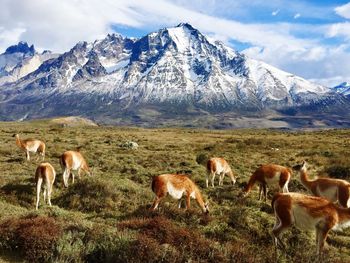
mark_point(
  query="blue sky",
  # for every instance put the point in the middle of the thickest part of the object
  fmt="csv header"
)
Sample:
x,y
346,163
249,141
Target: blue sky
x,y
306,38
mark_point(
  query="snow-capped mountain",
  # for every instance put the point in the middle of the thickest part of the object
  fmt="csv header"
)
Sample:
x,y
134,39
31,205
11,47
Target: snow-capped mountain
x,y
343,88
174,67
20,60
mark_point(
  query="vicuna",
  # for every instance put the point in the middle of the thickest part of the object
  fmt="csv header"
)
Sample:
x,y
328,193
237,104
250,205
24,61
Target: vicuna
x,y
221,167
73,160
177,186
307,213
335,190
46,174
31,145
269,174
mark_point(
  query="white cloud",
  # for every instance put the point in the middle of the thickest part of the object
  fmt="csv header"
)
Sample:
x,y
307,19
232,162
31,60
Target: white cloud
x,y
343,10
9,37
297,15
275,13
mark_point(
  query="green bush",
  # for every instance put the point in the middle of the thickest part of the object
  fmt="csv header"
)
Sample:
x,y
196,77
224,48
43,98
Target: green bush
x,y
202,158
89,195
338,171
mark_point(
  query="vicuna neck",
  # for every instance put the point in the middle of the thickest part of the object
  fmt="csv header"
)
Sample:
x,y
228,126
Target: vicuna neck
x,y
18,141
250,184
305,180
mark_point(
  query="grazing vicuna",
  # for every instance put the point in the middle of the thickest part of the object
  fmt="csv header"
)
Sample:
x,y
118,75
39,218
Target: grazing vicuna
x,y
221,167
177,185
307,213
335,190
46,174
271,175
31,145
73,160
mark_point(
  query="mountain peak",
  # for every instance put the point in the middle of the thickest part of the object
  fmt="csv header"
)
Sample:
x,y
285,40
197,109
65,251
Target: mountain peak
x,y
185,25
21,47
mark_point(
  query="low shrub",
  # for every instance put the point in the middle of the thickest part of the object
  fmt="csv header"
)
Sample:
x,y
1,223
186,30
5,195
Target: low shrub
x,y
165,231
89,195
202,158
35,237
338,171
107,245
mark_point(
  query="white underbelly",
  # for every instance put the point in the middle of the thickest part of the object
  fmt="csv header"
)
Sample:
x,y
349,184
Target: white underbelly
x,y
174,192
274,180
33,148
331,193
302,219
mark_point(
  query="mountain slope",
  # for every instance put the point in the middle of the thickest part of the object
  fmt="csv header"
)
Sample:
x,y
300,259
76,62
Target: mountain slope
x,y
174,72
20,60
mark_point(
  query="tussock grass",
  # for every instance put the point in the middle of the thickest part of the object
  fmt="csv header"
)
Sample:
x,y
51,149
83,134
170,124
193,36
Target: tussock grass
x,y
106,218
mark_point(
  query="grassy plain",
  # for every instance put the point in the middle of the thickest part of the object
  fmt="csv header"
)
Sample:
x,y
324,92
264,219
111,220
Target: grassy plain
x,y
105,218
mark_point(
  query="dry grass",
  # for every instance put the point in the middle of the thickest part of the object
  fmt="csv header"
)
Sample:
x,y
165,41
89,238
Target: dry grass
x,y
105,218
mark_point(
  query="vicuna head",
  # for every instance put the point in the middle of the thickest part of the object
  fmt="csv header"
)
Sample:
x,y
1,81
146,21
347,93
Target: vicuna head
x,y
300,167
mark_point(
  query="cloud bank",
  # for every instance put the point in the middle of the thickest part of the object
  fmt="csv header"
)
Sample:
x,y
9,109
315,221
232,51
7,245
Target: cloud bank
x,y
303,49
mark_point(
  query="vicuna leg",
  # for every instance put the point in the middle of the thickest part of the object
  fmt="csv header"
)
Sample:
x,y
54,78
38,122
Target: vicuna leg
x,y
321,235
49,191
28,156
207,180
260,191
157,200
283,221
188,201
212,178
38,187
283,182
66,176
45,193
265,191
221,179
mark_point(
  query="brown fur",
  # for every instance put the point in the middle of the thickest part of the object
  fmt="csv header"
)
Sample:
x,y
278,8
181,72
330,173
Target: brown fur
x,y
46,174
269,171
221,167
319,185
326,215
166,183
31,145
67,164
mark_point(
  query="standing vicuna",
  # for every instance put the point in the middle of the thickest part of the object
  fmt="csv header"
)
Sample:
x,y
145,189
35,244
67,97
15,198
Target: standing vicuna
x,y
335,190
31,145
73,160
221,167
307,213
46,174
271,175
177,185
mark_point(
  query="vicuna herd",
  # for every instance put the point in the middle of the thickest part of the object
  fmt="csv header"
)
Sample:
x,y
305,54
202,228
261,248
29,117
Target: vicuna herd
x,y
45,173
328,209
